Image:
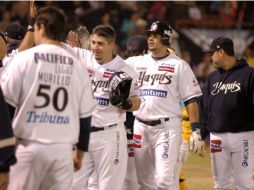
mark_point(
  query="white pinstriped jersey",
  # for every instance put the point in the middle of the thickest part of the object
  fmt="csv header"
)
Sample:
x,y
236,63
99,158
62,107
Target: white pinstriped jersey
x,y
51,90
105,113
163,85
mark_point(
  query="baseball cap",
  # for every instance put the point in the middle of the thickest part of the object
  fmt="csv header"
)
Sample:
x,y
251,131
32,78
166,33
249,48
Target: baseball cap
x,y
137,43
15,31
221,43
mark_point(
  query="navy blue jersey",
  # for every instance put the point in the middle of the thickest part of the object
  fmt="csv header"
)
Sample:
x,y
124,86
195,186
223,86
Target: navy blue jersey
x,y
7,149
227,104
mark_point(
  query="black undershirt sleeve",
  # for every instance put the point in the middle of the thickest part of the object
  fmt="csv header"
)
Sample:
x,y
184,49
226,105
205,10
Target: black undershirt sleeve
x,y
84,134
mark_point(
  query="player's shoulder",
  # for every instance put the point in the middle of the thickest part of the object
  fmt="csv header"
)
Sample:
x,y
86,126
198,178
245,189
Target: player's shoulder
x,y
80,53
123,66
138,60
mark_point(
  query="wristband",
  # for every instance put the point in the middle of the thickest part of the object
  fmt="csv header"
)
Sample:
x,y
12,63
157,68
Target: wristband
x,y
31,22
195,126
126,104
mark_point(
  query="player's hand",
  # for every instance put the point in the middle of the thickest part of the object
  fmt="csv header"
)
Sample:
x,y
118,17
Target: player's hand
x,y
184,150
4,180
72,39
196,144
78,156
33,10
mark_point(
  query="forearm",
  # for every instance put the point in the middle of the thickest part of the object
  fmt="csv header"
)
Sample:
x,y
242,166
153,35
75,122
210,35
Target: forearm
x,y
27,42
193,112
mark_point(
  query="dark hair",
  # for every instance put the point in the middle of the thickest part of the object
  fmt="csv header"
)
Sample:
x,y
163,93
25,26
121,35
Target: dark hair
x,y
136,45
54,21
105,31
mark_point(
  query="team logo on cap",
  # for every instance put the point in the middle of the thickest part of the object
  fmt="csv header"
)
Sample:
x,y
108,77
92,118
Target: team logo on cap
x,y
154,26
167,32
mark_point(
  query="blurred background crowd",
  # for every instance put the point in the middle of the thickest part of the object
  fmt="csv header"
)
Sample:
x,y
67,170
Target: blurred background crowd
x,y
195,23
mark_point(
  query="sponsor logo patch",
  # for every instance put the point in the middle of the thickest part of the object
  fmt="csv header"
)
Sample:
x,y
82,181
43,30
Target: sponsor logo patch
x,y
102,101
108,73
215,146
166,68
153,92
245,153
137,141
165,145
116,161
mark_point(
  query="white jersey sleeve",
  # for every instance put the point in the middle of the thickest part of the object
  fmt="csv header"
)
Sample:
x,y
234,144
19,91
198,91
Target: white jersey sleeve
x,y
188,84
51,90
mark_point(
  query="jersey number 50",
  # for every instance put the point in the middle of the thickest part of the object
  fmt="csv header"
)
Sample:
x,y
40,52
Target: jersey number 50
x,y
43,91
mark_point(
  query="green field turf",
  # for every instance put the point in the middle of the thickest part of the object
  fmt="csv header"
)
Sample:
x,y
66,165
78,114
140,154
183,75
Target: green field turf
x,y
197,172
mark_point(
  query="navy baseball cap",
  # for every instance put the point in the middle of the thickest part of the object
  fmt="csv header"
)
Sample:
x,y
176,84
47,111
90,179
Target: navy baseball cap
x,y
15,31
222,43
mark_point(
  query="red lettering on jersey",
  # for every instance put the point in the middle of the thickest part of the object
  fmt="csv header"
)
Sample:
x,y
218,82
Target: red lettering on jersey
x,y
166,68
215,146
141,68
137,141
90,72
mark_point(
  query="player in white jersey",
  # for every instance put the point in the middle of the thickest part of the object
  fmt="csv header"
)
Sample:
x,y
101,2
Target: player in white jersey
x,y
165,80
108,145
51,94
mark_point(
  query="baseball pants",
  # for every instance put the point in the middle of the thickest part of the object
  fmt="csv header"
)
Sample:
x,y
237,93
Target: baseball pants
x,y
156,150
42,167
232,156
107,156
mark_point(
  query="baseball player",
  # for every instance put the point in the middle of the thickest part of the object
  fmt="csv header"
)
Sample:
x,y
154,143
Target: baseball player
x,y
108,145
51,94
186,135
7,144
7,140
136,45
165,80
227,109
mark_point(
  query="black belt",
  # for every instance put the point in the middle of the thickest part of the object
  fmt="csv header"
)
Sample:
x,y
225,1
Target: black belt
x,y
95,129
153,122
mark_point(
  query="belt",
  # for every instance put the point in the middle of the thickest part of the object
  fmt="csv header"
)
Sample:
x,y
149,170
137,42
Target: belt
x,y
153,122
95,129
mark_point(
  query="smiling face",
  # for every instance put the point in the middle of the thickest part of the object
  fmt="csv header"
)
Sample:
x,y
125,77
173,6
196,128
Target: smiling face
x,y
102,48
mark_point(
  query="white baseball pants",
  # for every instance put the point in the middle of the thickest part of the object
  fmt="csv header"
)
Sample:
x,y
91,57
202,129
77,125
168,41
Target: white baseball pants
x,y
108,157
42,167
232,156
156,150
